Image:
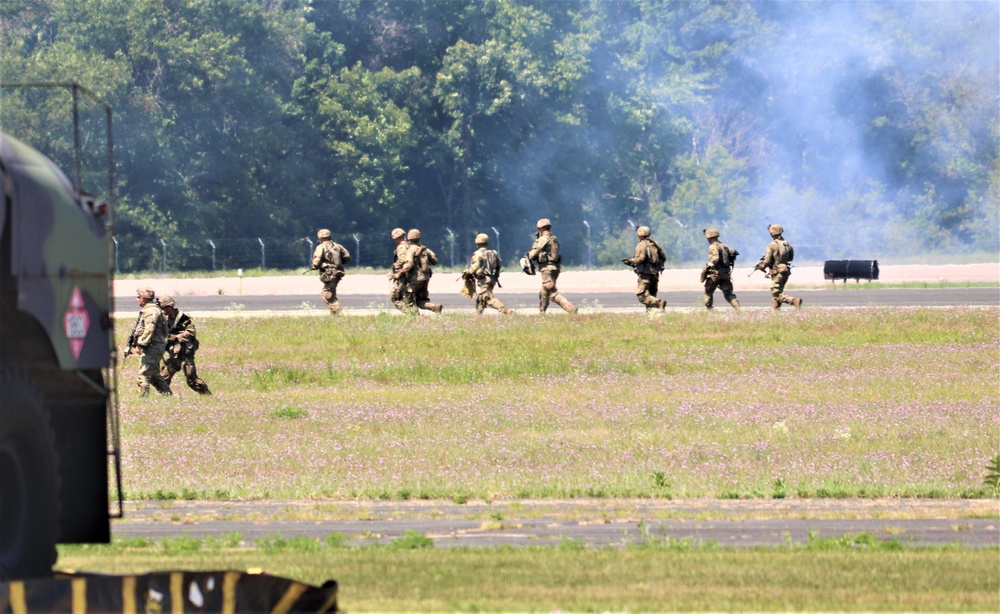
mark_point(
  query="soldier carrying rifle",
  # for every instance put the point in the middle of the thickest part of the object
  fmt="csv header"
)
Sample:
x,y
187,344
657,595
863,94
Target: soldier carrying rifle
x,y
149,340
329,259
182,343
398,256
484,268
777,259
719,269
647,262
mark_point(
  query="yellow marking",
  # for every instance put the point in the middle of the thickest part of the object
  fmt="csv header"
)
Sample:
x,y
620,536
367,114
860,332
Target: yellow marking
x,y
128,595
177,592
289,598
229,581
17,603
79,595
330,604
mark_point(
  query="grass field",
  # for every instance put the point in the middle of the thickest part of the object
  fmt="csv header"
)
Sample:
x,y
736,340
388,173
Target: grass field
x,y
824,403
813,403
838,574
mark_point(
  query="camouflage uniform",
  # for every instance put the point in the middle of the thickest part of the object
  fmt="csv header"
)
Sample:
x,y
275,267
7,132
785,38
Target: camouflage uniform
x,y
399,254
647,262
779,253
416,271
718,271
545,251
151,340
484,266
182,343
329,258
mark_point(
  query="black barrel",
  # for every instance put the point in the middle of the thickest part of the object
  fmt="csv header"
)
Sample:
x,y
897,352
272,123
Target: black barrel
x,y
850,269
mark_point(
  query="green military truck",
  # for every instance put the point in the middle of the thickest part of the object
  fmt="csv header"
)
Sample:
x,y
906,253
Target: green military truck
x,y
58,410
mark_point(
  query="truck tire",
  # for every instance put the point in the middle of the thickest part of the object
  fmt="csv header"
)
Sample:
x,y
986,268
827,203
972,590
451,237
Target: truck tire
x,y
28,481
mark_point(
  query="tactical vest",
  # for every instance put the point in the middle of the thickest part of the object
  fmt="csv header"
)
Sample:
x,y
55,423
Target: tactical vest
x,y
549,254
333,254
179,325
655,256
725,261
785,252
491,263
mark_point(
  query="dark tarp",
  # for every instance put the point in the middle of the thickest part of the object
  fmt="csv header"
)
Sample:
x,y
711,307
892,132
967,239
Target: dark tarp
x,y
166,591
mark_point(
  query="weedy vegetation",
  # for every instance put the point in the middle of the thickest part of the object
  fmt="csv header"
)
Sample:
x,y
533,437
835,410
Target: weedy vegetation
x,y
813,403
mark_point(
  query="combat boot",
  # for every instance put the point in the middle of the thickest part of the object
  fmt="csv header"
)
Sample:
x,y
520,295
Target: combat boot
x,y
736,304
775,303
437,309
506,311
797,302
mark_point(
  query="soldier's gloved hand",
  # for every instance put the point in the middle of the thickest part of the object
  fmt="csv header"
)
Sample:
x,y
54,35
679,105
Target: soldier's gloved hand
x,y
140,349
627,261
172,339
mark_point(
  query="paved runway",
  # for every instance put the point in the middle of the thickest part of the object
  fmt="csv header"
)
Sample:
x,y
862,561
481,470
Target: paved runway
x,y
595,522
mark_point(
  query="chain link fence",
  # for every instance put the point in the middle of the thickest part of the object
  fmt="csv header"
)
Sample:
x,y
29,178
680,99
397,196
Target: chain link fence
x,y
578,246
373,250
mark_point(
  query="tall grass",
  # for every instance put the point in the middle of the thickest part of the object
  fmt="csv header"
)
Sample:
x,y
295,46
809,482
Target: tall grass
x,y
883,402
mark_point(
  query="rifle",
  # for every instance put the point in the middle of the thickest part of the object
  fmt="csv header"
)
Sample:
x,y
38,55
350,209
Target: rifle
x,y
132,339
759,267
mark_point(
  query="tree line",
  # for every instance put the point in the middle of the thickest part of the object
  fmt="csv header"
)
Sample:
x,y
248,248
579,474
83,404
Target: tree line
x,y
868,129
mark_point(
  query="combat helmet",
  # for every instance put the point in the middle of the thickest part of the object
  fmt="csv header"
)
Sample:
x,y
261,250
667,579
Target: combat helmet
x,y
323,234
642,231
712,233
397,233
145,292
413,235
543,223
167,301
482,239
775,230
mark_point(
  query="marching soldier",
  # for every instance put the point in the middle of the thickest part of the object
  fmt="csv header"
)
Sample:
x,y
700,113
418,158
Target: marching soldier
x,y
484,267
329,259
647,262
718,272
779,253
416,272
399,254
149,340
545,251
182,343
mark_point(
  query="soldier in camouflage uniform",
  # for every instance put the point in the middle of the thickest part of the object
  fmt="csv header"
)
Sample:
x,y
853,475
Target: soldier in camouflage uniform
x,y
182,343
545,251
150,342
718,272
396,290
484,267
779,253
416,271
329,259
647,262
